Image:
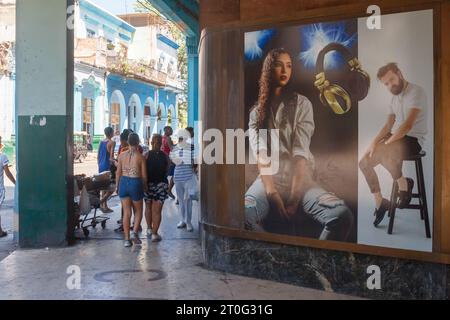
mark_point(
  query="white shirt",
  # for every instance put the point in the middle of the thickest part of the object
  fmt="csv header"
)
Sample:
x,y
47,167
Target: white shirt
x,y
296,128
116,139
3,162
412,97
294,120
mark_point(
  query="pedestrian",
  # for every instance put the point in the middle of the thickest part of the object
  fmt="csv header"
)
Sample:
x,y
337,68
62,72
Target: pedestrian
x,y
167,147
157,168
123,142
4,169
182,155
89,142
132,182
116,140
105,158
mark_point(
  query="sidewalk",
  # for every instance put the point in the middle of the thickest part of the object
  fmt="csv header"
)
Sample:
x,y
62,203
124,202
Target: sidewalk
x,y
7,245
171,269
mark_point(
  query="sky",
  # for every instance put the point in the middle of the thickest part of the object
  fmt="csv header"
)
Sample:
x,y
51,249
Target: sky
x,y
116,6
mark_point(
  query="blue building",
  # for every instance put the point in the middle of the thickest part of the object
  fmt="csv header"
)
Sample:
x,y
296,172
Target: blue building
x,y
125,72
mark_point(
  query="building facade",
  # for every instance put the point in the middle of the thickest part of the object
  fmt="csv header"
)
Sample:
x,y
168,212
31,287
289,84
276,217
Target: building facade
x,y
125,73
7,68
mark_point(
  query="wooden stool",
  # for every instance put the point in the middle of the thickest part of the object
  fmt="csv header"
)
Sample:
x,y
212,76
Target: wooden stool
x,y
421,195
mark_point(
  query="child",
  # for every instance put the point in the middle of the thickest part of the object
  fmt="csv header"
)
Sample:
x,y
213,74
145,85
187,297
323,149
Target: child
x,y
3,169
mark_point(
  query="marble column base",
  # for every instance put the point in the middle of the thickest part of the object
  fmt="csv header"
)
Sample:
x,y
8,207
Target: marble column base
x,y
328,270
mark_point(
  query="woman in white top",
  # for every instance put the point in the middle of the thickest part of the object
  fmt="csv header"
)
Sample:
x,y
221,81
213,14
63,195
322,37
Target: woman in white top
x,y
291,190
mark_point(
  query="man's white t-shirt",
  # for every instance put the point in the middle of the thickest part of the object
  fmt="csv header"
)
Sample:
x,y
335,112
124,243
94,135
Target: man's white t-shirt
x,y
413,96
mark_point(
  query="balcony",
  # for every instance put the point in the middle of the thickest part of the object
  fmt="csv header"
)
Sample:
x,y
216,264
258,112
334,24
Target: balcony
x,y
99,53
91,51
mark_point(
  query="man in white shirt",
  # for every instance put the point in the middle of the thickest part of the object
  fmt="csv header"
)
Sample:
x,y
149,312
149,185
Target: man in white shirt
x,y
4,169
403,135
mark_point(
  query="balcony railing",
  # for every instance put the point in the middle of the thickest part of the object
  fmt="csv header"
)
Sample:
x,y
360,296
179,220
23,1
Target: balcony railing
x,y
97,52
92,51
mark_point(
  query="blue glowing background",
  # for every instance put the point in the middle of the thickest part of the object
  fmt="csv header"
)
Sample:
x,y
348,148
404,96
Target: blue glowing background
x,y
255,43
316,36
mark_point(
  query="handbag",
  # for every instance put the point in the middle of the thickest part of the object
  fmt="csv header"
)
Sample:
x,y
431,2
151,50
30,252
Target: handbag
x,y
194,193
85,203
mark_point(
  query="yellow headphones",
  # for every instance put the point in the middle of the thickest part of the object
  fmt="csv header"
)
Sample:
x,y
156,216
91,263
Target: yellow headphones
x,y
335,96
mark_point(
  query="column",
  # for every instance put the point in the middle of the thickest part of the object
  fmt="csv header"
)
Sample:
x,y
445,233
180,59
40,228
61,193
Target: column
x,y
99,113
174,124
77,109
3,105
192,48
44,105
153,125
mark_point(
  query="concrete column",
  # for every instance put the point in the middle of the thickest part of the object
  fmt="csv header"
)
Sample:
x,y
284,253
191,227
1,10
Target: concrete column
x,y
174,124
44,104
192,48
10,103
153,125
3,106
99,113
77,109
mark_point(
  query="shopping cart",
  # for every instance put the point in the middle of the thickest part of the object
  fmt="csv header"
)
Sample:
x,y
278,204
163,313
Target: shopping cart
x,y
89,190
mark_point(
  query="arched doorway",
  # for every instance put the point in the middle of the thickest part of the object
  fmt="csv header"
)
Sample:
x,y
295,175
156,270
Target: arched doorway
x,y
135,115
117,117
90,91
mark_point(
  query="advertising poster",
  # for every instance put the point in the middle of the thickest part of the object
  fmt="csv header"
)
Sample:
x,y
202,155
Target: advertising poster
x,y
346,114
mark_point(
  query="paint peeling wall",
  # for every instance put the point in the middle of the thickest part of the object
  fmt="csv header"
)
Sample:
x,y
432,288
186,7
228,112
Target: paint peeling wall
x,y
34,46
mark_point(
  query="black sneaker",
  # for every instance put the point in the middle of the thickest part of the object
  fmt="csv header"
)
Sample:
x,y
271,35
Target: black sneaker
x,y
381,212
405,197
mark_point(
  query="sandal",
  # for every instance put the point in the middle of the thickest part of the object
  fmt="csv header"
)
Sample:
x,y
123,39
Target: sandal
x,y
106,210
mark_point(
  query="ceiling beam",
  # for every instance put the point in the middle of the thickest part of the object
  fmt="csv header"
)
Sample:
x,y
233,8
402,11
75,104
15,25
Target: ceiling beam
x,y
184,13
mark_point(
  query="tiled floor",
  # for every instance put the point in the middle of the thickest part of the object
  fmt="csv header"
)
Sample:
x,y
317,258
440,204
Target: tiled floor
x,y
171,269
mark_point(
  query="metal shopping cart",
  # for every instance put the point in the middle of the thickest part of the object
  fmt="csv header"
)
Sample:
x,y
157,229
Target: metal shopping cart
x,y
88,191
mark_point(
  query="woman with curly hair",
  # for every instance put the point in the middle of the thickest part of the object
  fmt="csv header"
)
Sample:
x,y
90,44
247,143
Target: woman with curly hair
x,y
291,190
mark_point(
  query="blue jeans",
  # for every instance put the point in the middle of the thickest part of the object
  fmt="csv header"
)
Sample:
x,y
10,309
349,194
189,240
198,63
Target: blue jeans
x,y
321,206
131,188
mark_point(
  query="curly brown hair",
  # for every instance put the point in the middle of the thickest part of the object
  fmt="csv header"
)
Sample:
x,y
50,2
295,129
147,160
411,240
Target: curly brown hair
x,y
265,85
